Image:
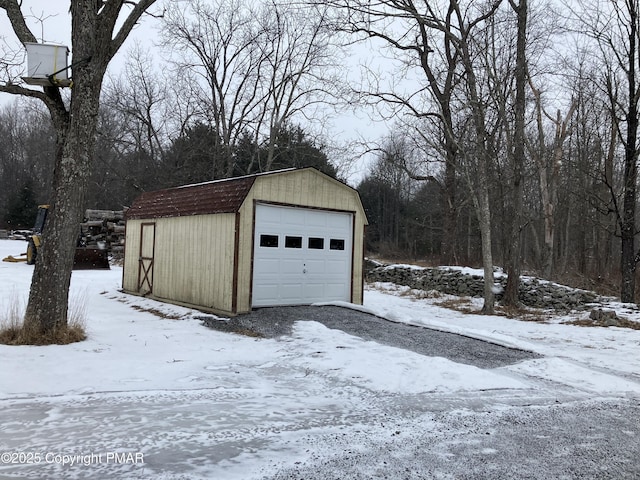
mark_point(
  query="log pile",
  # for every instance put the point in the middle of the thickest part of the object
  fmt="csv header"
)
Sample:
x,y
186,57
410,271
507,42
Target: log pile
x,y
103,229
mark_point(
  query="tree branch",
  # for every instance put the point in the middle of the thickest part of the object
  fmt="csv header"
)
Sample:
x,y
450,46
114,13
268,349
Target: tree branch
x,y
12,7
18,90
128,25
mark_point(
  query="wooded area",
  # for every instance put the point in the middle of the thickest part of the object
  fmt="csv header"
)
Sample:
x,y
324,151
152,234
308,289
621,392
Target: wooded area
x,y
512,125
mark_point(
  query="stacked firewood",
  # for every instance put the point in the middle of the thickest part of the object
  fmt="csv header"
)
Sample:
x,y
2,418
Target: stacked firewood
x,y
103,229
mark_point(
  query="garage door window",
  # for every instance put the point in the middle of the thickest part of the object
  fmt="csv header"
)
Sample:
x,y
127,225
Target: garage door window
x,y
336,244
316,243
292,242
269,241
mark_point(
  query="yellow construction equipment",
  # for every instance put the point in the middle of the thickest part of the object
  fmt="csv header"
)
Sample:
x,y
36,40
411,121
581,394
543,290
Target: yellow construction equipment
x,y
84,258
11,258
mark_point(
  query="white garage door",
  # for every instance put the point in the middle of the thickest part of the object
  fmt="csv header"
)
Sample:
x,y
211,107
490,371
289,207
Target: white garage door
x,y
301,256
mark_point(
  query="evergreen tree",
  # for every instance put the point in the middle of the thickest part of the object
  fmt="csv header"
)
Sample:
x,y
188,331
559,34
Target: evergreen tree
x,y
196,156
294,149
22,208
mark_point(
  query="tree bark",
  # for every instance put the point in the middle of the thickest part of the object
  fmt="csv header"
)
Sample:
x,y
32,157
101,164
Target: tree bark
x,y
480,153
48,297
94,43
511,294
448,245
628,226
484,219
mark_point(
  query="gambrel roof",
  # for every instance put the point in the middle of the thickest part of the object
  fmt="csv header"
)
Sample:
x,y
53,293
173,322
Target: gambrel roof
x,y
217,196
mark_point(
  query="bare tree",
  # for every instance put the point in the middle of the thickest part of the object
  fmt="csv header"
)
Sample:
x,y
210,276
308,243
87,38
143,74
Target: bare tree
x,y
141,96
27,151
98,30
300,70
548,157
594,162
417,30
144,109
386,195
417,37
615,28
215,49
253,68
511,294
462,27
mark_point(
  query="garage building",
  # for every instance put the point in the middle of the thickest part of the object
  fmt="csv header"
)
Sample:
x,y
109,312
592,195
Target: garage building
x,y
289,237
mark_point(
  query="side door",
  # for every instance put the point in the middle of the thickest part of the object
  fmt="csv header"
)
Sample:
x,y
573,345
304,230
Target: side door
x,y
145,261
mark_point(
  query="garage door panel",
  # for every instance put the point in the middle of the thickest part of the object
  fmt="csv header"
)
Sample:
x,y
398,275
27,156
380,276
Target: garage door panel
x,y
316,222
337,266
290,291
315,294
303,268
315,267
266,291
334,289
266,266
290,266
293,217
269,282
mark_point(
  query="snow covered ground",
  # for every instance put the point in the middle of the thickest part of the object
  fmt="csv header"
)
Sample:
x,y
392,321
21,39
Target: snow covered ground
x,y
152,393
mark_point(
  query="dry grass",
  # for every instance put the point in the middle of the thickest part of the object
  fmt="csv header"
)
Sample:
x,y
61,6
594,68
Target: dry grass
x,y
14,332
420,294
620,322
459,304
525,314
157,313
464,305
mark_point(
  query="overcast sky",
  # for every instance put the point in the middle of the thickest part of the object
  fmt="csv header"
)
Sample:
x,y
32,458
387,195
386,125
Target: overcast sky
x,y
50,22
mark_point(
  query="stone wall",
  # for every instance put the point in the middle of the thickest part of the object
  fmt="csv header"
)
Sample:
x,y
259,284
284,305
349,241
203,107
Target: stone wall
x,y
465,283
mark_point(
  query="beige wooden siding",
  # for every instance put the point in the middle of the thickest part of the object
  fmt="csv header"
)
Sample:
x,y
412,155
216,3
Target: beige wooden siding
x,y
302,188
194,260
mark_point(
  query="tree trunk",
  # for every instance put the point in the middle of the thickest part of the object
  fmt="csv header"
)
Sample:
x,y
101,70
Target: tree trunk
x,y
484,219
94,42
481,194
48,297
628,226
548,194
511,294
448,246
627,258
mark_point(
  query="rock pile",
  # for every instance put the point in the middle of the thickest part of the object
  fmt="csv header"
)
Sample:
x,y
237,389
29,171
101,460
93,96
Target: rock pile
x,y
455,281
